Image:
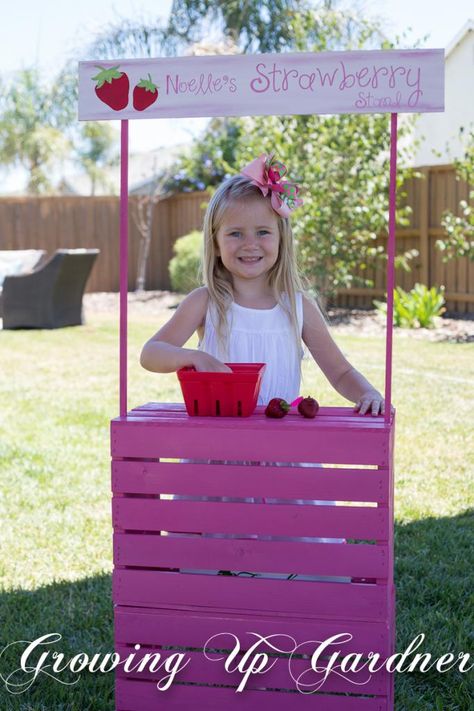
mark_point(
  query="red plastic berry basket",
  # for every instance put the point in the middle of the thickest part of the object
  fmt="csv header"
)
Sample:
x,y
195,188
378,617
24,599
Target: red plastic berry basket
x,y
209,394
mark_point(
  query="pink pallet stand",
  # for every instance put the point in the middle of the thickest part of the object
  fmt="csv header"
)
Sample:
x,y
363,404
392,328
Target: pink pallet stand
x,y
164,596
157,606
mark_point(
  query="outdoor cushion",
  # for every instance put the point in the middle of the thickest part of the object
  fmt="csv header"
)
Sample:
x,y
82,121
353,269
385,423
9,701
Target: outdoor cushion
x,y
18,261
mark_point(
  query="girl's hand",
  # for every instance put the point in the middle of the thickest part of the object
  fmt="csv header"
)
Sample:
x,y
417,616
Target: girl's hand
x,y
204,362
371,401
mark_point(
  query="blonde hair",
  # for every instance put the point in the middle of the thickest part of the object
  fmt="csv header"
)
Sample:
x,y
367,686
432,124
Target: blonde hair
x,y
283,277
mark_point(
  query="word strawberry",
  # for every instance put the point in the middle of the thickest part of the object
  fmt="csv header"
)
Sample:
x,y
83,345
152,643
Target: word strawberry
x,y
144,94
308,407
112,87
277,408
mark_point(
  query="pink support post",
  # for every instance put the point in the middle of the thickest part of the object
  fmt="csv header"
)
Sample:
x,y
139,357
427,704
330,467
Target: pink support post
x,y
390,265
123,265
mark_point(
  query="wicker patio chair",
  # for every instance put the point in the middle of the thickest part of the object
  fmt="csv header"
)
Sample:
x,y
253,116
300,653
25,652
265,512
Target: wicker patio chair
x,y
51,295
18,261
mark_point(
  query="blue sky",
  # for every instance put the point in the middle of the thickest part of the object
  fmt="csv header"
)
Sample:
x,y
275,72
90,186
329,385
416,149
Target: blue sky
x,y
43,32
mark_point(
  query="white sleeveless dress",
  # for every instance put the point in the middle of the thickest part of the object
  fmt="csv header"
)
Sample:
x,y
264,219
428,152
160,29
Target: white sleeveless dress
x,y
262,336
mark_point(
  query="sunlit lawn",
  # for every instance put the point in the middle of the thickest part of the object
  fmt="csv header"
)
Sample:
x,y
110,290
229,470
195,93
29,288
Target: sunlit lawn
x,y
59,390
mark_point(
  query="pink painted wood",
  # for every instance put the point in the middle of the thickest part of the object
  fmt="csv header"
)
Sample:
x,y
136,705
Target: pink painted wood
x,y
143,550
242,519
165,588
356,485
153,626
360,81
352,438
390,264
337,601
131,694
155,571
150,566
203,670
123,265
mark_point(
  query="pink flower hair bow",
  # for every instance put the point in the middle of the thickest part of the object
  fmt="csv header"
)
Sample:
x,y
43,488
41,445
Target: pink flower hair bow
x,y
267,173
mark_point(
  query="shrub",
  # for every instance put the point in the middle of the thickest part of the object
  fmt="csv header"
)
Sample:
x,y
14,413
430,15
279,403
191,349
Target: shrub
x,y
417,308
185,267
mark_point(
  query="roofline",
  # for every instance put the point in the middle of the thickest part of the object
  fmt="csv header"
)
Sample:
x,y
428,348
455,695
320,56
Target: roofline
x,y
465,29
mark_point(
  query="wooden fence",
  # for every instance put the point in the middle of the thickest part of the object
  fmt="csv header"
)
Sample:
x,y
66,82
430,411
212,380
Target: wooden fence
x,y
67,222
429,196
52,223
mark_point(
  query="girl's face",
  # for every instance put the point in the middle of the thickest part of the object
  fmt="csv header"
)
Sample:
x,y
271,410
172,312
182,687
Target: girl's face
x,y
248,238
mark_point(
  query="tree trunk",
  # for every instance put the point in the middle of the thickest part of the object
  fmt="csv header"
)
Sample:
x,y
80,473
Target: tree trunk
x,y
144,249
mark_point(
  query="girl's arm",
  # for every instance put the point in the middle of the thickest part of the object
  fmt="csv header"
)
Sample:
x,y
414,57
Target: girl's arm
x,y
341,374
164,353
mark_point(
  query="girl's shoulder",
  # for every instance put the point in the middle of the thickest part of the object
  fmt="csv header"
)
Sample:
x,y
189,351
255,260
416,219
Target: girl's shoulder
x,y
201,294
198,299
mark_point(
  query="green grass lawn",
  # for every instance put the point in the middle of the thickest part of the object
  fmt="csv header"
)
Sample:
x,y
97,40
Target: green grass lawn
x,y
59,390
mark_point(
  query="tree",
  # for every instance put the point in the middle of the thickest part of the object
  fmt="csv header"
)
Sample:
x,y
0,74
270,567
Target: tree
x,y
258,25
340,161
96,150
143,217
33,122
212,157
459,240
341,164
251,25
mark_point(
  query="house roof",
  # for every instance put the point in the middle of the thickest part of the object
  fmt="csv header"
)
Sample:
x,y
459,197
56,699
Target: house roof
x,y
459,37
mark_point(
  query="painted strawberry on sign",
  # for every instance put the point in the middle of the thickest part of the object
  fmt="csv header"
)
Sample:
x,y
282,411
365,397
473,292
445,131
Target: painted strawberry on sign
x,y
144,94
112,87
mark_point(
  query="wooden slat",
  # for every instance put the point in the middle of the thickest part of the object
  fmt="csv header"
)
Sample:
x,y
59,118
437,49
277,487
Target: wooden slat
x,y
424,223
359,442
155,626
143,696
200,669
250,481
231,518
337,601
196,552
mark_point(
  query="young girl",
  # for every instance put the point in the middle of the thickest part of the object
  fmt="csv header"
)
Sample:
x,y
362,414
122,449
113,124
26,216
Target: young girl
x,y
253,307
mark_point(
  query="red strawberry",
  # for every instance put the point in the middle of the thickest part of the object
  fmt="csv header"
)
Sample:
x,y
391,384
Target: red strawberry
x,y
144,94
112,87
308,407
277,408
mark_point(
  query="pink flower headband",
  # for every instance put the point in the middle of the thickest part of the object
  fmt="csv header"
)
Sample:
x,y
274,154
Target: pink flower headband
x,y
266,174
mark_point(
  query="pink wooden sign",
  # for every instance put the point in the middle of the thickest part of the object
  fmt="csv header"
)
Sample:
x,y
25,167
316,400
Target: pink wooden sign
x,y
393,81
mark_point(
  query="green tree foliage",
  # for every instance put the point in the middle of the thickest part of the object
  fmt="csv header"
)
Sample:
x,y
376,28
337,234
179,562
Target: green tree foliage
x,y
96,150
250,25
254,25
459,240
33,122
257,25
340,161
39,131
341,164
211,159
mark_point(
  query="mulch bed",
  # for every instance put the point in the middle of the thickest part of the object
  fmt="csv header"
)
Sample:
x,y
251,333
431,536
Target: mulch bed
x,y
453,328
